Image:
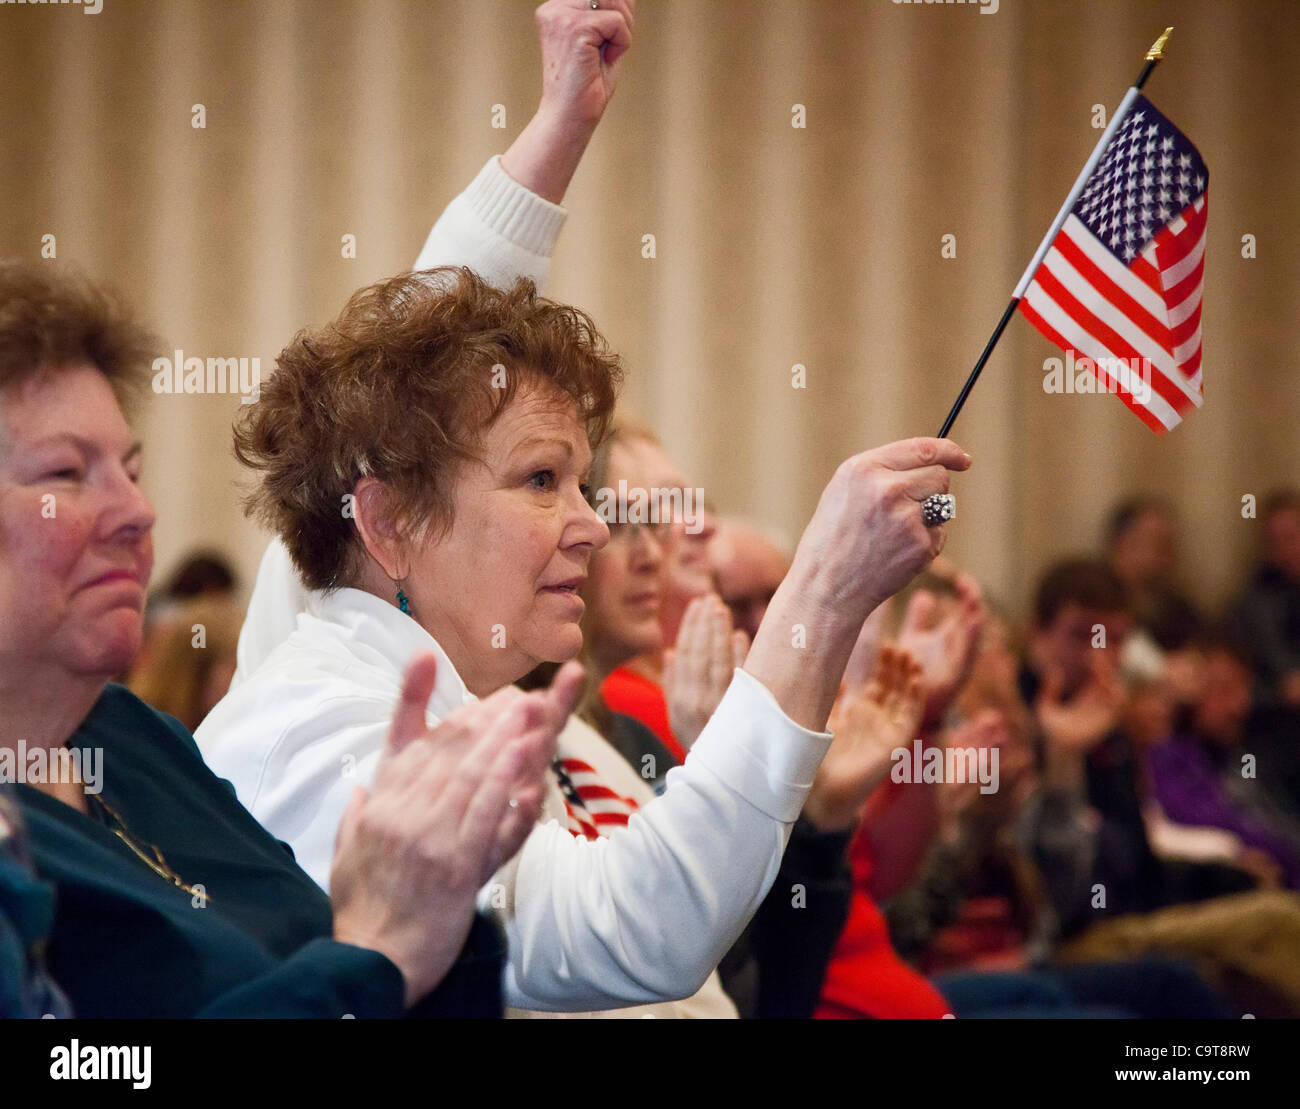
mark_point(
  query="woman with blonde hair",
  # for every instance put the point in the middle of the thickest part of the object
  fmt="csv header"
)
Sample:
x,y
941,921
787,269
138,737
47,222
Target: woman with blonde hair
x,y
191,659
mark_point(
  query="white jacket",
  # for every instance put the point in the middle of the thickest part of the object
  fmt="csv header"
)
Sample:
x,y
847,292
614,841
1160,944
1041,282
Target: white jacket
x,y
641,916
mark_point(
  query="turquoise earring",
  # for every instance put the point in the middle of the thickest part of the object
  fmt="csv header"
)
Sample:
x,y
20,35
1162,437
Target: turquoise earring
x,y
403,601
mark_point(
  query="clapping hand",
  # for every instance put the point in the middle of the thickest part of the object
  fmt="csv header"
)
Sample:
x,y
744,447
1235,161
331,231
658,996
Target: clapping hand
x,y
698,669
1078,725
447,807
945,643
870,721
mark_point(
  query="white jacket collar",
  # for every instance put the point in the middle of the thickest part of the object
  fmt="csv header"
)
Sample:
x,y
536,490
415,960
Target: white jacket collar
x,y
383,639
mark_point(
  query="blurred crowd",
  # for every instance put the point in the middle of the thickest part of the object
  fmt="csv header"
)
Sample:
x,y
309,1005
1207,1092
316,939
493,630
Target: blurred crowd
x,y
834,780
1148,766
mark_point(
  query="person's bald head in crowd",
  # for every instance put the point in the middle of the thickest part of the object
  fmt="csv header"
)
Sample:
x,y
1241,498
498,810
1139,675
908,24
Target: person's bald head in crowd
x,y
747,567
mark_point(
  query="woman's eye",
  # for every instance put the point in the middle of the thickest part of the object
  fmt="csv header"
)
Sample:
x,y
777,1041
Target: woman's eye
x,y
543,479
68,474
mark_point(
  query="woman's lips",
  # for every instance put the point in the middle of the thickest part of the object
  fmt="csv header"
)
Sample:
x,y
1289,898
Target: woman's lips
x,y
114,576
568,591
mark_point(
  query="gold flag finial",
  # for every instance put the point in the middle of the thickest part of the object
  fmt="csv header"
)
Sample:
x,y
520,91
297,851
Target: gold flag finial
x,y
1157,50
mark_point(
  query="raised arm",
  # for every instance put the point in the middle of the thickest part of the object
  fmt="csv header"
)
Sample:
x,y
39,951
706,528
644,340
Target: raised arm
x,y
505,224
646,914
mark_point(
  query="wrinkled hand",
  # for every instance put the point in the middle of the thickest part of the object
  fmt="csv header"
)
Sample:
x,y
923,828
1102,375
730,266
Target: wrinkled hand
x,y
698,669
945,644
447,807
581,49
869,721
867,540
1091,715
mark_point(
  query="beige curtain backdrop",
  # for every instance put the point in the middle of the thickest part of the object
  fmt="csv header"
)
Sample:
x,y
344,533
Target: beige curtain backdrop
x,y
775,245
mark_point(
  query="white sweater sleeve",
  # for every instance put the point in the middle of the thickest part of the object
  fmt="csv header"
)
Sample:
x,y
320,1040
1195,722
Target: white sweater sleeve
x,y
646,914
497,228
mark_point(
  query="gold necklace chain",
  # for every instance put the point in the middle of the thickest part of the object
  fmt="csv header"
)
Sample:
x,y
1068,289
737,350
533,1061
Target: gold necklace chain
x,y
157,864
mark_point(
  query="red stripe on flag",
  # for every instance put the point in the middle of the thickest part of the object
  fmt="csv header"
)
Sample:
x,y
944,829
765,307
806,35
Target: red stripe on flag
x,y
1115,343
1187,286
598,793
1171,245
1097,278
1055,337
1145,272
581,827
1187,328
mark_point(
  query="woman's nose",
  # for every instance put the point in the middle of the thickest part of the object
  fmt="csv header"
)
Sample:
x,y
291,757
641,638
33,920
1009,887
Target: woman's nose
x,y
586,526
647,549
131,512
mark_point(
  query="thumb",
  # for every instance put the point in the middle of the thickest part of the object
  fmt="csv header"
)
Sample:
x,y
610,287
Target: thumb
x,y
565,690
409,721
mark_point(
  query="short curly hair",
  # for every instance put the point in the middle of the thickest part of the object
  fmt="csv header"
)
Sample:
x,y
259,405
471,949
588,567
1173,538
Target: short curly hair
x,y
51,320
401,387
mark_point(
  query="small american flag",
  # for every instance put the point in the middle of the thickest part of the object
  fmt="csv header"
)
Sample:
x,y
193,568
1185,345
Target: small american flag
x,y
1121,283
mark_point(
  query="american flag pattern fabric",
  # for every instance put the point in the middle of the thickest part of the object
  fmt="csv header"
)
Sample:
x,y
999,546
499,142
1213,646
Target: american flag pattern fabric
x,y
1121,283
591,808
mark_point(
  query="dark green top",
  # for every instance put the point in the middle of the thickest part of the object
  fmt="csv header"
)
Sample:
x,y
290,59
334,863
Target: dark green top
x,y
127,942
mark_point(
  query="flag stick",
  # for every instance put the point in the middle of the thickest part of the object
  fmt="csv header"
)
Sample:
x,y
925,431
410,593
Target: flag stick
x,y
1153,56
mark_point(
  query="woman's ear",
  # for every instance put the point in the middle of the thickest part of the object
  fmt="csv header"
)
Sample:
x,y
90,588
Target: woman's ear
x,y
372,514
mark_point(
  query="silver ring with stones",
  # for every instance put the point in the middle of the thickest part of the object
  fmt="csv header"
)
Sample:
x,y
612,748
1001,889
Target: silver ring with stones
x,y
938,509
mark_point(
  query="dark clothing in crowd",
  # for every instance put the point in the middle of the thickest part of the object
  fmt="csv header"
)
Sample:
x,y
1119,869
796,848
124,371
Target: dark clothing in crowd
x,y
254,941
1273,737
1168,616
1075,854
973,900
1135,989
644,751
775,969
1267,621
26,915
1202,786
